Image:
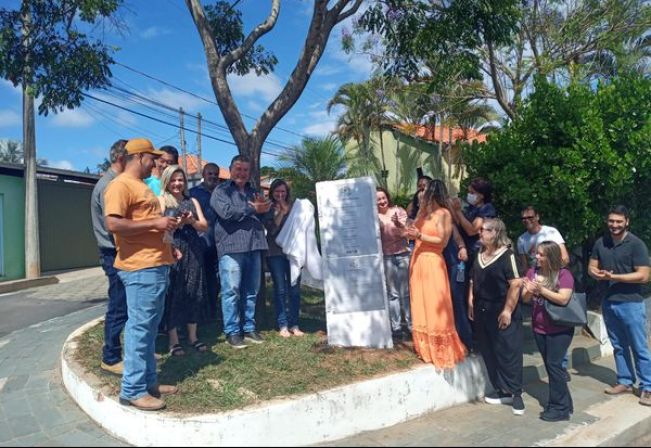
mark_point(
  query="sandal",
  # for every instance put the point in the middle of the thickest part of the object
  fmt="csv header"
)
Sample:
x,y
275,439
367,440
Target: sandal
x,y
199,346
176,350
284,332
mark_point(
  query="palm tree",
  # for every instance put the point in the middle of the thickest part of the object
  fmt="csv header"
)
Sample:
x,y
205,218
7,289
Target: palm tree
x,y
314,160
356,124
11,151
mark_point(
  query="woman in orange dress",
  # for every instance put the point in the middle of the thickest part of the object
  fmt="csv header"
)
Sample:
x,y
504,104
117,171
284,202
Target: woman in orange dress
x,y
434,332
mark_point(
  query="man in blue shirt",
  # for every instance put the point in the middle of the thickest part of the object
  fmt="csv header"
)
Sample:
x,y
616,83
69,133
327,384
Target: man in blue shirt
x,y
170,157
240,240
622,260
202,193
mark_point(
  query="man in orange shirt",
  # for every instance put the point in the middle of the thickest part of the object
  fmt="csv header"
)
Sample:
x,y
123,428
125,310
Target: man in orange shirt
x,y
133,215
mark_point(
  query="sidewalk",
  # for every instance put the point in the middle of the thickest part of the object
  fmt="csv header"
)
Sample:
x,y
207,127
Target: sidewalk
x,y
35,410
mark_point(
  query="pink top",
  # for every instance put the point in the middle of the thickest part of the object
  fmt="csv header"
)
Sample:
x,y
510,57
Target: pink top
x,y
542,324
392,240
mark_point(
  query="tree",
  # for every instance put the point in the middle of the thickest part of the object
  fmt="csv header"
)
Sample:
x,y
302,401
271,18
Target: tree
x,y
224,53
43,50
11,152
104,166
507,43
314,160
573,152
361,115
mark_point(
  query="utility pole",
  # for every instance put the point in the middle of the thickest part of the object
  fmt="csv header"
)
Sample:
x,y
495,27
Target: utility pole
x,y
184,151
32,251
199,167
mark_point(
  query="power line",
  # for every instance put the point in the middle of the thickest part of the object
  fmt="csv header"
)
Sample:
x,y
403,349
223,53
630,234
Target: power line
x,y
199,96
92,97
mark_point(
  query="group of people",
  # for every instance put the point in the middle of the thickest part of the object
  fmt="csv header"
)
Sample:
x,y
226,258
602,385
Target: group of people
x,y
448,312
455,282
167,251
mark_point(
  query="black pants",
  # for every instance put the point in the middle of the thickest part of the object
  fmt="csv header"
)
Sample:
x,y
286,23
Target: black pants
x,y
501,349
553,348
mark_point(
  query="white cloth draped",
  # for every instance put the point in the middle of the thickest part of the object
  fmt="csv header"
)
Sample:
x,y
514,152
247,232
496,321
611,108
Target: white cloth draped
x,y
298,241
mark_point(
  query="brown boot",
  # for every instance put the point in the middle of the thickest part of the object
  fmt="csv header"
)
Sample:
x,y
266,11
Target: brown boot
x,y
645,398
162,390
145,403
619,389
114,369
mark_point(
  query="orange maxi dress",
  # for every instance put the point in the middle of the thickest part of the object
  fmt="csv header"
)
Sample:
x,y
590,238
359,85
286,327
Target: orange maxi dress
x,y
435,336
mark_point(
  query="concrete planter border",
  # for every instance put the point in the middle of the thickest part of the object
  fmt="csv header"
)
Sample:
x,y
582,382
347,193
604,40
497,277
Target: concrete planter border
x,y
300,420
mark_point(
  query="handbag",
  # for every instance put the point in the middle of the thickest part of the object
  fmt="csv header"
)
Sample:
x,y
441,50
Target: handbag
x,y
573,314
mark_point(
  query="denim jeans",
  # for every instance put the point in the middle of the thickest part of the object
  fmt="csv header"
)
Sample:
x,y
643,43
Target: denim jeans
x,y
458,293
211,267
146,290
553,348
240,281
116,312
626,325
287,298
396,271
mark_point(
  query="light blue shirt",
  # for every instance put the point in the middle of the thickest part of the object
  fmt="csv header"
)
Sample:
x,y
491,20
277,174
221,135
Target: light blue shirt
x,y
153,182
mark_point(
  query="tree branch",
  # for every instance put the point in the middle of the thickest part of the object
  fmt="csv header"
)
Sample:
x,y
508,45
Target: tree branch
x,y
341,4
253,37
499,91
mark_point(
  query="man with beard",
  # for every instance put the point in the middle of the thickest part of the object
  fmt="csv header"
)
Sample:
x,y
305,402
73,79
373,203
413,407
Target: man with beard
x,y
622,259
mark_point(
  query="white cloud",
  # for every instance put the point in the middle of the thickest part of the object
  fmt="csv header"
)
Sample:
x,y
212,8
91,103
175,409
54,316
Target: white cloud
x,y
266,87
62,165
329,86
176,99
72,118
321,129
153,32
126,118
357,62
327,69
7,84
9,118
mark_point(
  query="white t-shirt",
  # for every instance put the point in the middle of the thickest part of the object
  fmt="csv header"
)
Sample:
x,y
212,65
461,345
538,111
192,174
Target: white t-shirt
x,y
527,242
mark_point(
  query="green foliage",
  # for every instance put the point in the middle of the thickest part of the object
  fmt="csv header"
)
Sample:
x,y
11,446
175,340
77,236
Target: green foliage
x,y
414,31
573,153
58,62
226,24
314,160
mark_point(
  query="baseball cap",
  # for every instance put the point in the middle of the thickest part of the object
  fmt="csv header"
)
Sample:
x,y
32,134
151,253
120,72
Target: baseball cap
x,y
141,145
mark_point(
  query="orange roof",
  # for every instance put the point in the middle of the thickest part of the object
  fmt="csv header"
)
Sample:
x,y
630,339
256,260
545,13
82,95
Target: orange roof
x,y
433,133
193,167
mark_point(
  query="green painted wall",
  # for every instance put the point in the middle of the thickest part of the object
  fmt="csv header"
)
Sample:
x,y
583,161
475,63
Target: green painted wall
x,y
402,155
12,190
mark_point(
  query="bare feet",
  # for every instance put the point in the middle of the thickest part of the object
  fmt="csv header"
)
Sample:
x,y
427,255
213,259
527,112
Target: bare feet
x,y
296,331
284,332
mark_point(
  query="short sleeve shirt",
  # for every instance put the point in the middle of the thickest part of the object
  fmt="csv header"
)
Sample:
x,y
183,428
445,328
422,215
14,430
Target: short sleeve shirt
x,y
491,279
621,258
528,242
393,242
542,324
130,198
154,183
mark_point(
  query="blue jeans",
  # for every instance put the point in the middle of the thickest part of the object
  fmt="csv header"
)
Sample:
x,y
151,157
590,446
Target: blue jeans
x,y
116,312
458,293
287,298
626,325
240,281
146,290
396,272
211,266
553,348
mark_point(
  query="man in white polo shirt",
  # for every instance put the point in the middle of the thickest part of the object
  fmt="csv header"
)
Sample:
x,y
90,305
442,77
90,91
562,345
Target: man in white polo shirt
x,y
537,233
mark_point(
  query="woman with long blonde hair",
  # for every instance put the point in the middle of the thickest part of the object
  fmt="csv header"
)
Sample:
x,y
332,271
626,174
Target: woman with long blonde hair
x,y
493,306
187,298
549,280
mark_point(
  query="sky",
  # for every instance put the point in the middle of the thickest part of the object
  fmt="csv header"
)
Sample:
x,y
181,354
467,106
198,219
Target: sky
x,y
158,38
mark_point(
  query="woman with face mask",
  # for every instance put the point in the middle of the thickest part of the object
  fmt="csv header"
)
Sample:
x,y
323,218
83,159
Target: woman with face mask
x,y
470,220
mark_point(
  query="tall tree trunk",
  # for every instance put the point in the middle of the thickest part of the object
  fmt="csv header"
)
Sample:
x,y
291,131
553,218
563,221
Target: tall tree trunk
x,y
32,252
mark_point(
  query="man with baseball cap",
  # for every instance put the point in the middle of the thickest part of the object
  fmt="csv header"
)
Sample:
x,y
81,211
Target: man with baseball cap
x,y
133,215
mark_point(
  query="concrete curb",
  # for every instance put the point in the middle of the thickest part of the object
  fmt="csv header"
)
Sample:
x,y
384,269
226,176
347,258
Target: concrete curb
x,y
300,420
18,285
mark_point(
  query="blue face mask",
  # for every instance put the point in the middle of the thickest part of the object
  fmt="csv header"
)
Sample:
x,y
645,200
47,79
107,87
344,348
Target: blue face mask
x,y
471,198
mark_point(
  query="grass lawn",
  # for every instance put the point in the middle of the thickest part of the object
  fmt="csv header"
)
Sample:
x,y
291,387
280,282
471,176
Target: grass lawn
x,y
224,378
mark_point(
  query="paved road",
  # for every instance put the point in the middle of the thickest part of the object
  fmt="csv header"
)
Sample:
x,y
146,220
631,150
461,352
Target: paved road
x,y
21,309
35,409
